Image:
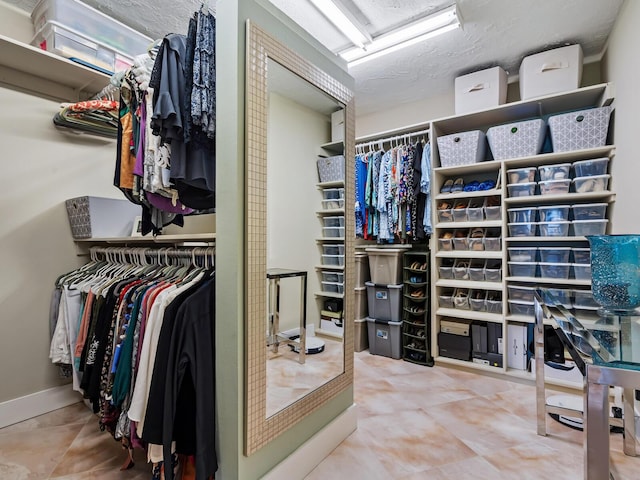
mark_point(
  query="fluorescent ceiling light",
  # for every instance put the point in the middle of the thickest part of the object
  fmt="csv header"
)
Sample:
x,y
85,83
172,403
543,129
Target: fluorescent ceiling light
x,y
343,21
405,36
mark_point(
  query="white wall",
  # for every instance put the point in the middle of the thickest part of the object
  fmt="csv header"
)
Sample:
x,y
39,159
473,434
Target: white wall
x,y
41,168
294,133
426,109
620,66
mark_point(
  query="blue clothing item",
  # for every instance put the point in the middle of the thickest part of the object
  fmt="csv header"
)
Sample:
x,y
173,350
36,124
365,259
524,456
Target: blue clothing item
x,y
361,168
425,187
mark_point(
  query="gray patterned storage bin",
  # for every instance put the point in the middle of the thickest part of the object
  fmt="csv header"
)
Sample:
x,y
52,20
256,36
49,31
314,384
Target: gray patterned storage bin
x,y
579,130
331,169
462,148
515,140
97,217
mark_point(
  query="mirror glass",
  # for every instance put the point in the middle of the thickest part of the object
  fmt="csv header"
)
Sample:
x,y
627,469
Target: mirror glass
x,y
298,123
299,323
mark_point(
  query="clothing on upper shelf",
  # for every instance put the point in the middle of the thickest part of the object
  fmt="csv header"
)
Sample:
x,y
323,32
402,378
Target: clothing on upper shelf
x,y
139,339
392,193
166,133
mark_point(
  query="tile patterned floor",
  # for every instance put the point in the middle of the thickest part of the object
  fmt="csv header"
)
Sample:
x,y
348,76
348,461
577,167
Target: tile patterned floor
x,y
438,423
414,423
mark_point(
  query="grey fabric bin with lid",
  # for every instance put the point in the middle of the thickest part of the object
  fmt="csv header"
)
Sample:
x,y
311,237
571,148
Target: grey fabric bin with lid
x,y
462,148
580,130
515,140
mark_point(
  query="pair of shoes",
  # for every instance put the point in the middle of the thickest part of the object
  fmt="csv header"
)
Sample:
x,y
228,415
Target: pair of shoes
x,y
415,279
487,185
493,201
458,185
420,333
417,293
477,233
415,266
415,310
446,187
471,186
461,299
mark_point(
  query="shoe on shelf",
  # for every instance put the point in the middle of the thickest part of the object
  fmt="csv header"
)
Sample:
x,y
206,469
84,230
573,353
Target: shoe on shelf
x,y
471,186
446,187
458,185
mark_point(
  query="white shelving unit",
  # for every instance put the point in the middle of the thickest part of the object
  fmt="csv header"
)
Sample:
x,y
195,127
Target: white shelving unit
x,y
329,149
593,96
42,73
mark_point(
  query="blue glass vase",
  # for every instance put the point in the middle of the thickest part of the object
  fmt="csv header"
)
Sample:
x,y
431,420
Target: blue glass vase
x,y
615,272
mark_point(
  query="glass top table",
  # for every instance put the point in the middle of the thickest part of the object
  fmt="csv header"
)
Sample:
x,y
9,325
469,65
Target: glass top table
x,y
606,349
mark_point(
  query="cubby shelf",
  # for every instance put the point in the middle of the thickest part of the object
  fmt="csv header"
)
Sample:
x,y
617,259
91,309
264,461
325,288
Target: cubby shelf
x,y
469,254
470,314
460,225
583,98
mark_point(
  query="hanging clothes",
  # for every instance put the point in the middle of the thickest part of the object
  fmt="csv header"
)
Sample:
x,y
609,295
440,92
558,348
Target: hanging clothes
x,y
139,341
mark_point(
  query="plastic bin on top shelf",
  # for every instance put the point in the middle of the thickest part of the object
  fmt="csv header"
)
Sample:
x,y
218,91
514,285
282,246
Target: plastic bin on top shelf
x,y
72,29
580,130
385,265
515,140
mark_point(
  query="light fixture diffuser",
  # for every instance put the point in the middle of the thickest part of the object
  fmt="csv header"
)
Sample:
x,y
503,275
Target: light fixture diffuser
x,y
405,36
343,21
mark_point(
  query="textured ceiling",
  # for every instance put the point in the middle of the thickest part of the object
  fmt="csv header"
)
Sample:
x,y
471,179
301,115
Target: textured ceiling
x,y
495,32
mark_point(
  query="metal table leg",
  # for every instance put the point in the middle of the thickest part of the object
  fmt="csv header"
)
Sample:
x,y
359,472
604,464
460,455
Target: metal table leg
x,y
596,429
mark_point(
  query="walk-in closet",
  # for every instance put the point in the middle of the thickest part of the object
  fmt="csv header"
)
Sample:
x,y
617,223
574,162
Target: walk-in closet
x,y
311,239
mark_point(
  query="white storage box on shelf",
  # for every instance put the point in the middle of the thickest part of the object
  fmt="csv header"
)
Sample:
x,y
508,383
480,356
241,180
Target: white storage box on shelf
x,y
588,168
515,140
337,126
595,183
589,211
523,269
554,187
554,254
97,217
462,148
331,169
554,172
385,266
522,189
480,90
554,229
521,175
553,213
582,228
580,130
71,17
581,255
553,71
332,198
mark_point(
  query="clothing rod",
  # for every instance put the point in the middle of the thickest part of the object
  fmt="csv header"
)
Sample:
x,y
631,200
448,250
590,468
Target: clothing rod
x,y
390,139
154,252
394,131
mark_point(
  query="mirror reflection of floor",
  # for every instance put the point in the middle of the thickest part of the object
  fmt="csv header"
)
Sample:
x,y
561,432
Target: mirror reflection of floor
x,y
288,380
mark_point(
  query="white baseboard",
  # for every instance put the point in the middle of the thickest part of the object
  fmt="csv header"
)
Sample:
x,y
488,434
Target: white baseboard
x,y
29,406
300,463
